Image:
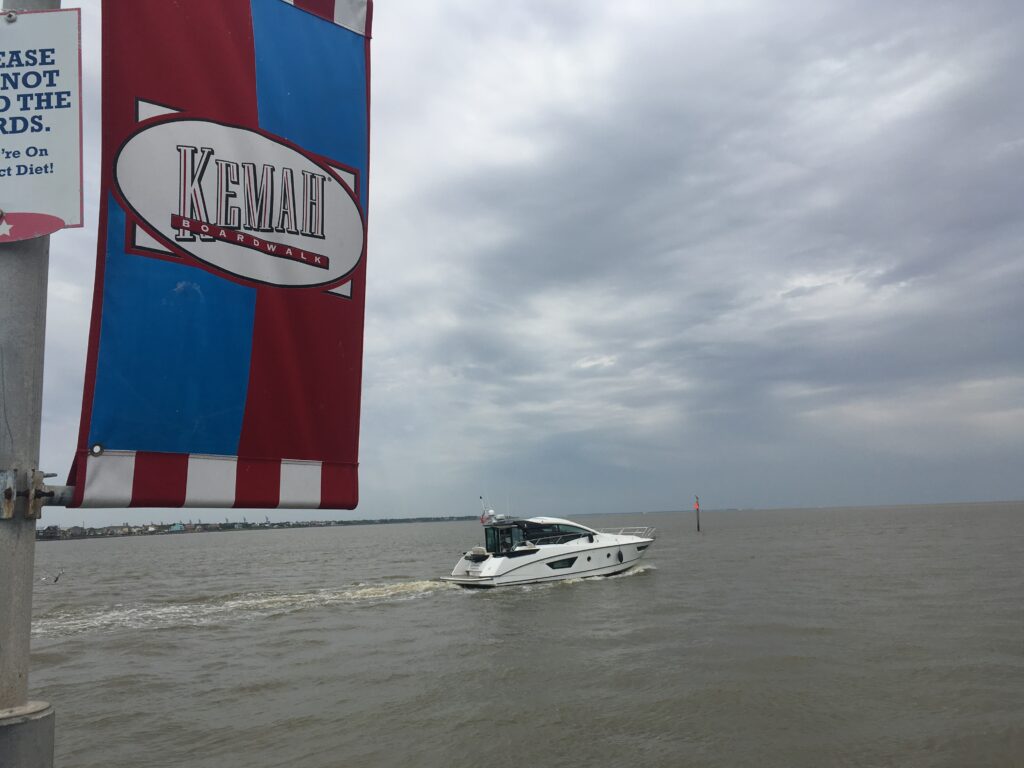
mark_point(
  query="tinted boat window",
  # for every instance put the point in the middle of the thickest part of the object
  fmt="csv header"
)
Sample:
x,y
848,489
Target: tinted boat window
x,y
491,539
537,531
498,540
552,533
564,563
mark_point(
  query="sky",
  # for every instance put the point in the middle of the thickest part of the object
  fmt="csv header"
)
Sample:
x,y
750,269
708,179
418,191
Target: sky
x,y
623,253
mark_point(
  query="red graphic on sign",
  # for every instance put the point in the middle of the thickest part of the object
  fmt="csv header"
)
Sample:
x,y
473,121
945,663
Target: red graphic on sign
x,y
236,237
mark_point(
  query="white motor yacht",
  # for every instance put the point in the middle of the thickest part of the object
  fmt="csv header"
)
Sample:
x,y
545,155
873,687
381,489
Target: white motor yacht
x,y
539,549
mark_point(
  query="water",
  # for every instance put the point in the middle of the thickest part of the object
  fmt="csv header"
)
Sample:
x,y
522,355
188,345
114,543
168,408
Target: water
x,y
874,637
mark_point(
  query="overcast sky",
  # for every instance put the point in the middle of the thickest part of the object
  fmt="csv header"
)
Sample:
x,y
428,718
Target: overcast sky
x,y
622,253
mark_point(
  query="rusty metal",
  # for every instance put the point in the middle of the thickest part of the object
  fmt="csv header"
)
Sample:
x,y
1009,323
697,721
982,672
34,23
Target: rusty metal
x,y
8,493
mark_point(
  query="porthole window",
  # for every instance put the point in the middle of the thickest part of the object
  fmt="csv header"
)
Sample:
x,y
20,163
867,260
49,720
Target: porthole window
x,y
609,554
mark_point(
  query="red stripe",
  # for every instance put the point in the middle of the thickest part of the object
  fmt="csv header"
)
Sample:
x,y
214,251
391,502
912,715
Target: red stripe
x,y
76,477
339,486
322,8
325,10
159,479
258,483
305,375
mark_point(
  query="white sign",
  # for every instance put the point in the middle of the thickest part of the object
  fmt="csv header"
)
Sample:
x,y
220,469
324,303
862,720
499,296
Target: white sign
x,y
40,123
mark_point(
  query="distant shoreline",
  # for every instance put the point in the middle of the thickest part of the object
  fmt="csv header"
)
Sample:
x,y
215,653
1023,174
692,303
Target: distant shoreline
x,y
57,533
75,532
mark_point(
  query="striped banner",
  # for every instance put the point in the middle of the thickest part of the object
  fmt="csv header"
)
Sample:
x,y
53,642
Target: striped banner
x,y
225,353
142,479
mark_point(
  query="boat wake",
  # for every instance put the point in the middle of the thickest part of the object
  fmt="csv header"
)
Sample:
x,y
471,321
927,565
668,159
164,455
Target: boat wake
x,y
636,570
221,610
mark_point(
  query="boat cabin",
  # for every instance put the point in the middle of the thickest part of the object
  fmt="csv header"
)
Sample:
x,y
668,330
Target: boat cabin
x,y
505,537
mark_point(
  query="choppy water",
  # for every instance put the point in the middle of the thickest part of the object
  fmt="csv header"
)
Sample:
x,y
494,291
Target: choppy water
x,y
875,637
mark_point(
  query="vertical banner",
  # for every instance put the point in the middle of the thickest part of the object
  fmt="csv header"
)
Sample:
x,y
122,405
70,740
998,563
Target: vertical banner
x,y
40,123
225,353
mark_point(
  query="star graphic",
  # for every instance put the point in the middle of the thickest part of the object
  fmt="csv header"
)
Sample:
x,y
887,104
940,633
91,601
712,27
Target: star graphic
x,y
5,229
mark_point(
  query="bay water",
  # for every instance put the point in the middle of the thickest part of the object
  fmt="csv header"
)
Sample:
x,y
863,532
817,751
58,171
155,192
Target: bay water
x,y
804,637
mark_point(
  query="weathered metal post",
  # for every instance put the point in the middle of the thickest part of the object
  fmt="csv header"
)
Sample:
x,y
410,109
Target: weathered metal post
x,y
26,727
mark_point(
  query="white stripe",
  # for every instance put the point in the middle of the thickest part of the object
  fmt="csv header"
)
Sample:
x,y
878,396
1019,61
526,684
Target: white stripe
x,y
347,176
108,479
142,239
351,14
147,109
300,484
345,289
211,481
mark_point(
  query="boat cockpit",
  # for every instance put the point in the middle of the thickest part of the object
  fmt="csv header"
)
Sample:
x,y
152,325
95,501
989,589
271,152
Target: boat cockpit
x,y
509,538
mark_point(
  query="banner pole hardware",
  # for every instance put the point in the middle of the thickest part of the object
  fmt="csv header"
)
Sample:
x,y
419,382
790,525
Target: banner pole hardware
x,y
35,490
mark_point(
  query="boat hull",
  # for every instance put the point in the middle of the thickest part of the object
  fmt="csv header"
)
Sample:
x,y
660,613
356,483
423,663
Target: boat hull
x,y
606,556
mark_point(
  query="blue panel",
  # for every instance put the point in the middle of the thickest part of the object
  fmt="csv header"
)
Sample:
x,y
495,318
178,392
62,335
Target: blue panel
x,y
300,59
173,365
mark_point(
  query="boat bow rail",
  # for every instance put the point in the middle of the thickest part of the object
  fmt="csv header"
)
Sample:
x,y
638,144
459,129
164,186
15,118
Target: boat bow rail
x,y
644,532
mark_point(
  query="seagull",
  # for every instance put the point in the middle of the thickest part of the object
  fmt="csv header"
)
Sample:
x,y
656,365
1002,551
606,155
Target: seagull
x,y
55,578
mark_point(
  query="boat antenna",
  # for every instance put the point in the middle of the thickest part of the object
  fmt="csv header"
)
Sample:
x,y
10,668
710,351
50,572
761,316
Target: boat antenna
x,y
485,512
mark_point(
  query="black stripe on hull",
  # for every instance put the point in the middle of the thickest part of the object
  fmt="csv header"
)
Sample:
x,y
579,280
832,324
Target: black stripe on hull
x,y
545,579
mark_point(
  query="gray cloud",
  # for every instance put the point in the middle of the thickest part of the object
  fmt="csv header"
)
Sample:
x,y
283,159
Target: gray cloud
x,y
622,254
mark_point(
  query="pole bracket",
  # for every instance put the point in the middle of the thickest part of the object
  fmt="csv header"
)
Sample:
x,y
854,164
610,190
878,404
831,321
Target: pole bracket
x,y
37,491
28,484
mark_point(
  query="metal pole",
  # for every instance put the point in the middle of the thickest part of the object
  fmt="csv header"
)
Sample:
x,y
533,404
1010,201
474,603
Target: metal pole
x,y
23,268
26,728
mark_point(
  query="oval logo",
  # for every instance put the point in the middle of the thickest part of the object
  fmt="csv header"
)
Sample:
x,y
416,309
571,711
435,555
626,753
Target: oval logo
x,y
242,202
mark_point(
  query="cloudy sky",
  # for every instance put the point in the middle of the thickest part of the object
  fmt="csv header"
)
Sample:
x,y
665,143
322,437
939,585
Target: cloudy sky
x,y
623,253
